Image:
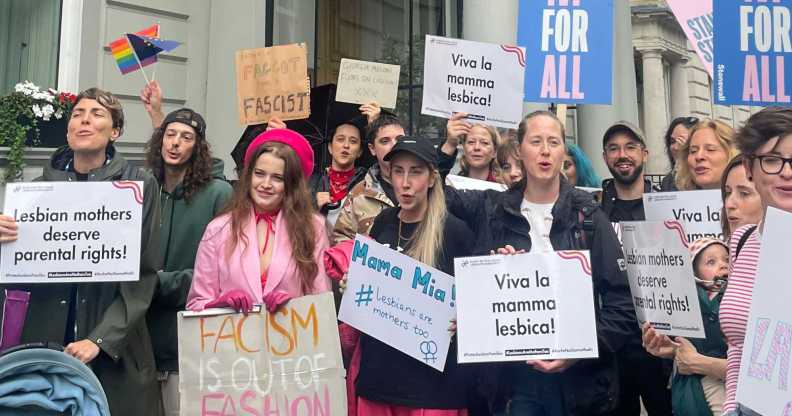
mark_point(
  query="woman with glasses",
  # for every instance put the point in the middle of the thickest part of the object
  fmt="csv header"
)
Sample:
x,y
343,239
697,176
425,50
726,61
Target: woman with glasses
x,y
677,135
766,144
705,155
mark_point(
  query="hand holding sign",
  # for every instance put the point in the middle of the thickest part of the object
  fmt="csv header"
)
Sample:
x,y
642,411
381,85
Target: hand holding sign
x,y
8,229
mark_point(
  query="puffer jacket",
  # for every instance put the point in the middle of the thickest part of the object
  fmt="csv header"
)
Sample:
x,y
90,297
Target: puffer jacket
x,y
590,387
363,203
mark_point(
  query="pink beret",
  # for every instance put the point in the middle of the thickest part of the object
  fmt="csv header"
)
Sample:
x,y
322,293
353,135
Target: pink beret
x,y
290,138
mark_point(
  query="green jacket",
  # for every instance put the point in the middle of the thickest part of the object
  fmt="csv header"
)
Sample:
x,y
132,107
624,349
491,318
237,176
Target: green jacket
x,y
111,314
182,225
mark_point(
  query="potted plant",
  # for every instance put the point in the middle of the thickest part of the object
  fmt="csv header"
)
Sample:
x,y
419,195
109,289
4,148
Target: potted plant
x,y
24,114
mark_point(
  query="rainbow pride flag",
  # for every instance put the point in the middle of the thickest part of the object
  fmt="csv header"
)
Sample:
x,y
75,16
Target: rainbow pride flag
x,y
124,54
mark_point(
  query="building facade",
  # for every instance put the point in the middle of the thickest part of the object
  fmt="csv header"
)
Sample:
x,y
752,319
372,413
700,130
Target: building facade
x,y
656,75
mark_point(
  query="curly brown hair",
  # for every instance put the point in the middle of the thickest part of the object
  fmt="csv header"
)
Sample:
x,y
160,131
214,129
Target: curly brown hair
x,y
297,208
199,167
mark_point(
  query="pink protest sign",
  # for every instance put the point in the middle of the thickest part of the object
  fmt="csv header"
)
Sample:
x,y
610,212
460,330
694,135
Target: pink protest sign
x,y
695,17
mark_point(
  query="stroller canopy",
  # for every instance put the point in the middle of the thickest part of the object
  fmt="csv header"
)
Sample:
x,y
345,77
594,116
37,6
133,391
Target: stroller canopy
x,y
47,381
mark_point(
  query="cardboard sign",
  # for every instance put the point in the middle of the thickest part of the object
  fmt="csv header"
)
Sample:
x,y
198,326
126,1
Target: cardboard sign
x,y
698,211
399,301
361,82
752,52
525,307
465,183
569,50
765,371
661,277
288,362
481,79
695,18
73,232
273,82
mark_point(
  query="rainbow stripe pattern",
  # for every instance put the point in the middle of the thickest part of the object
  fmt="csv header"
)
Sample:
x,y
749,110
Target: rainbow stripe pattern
x,y
124,55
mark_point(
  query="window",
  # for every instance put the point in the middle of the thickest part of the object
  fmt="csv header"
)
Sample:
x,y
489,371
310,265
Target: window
x,y
388,31
29,41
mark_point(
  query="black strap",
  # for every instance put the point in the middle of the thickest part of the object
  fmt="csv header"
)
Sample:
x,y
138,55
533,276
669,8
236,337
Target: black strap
x,y
586,227
743,239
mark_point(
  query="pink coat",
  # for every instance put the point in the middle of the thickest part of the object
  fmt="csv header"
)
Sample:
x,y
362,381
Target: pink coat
x,y
214,273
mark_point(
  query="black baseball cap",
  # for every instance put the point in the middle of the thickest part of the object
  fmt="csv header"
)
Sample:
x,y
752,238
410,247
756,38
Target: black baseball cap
x,y
418,146
189,117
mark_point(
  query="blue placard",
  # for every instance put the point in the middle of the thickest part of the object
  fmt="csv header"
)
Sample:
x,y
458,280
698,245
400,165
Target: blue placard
x,y
569,50
753,52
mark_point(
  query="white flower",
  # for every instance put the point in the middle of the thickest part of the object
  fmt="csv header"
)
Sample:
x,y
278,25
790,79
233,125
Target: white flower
x,y
47,112
37,111
59,114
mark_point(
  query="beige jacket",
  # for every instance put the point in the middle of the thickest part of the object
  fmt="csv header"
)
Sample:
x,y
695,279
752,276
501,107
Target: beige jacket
x,y
363,204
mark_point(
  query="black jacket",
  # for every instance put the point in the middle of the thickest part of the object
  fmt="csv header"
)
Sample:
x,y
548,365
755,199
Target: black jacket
x,y
590,387
609,198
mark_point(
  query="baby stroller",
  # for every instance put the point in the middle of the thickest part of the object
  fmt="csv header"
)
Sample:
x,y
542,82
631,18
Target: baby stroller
x,y
39,379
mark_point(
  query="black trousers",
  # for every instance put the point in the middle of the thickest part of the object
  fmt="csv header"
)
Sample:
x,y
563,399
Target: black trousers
x,y
643,377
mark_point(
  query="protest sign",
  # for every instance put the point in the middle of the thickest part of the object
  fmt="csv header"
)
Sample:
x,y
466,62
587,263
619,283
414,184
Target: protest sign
x,y
569,50
752,52
73,232
482,79
765,371
661,277
273,82
698,211
465,183
285,363
695,18
399,301
525,307
361,82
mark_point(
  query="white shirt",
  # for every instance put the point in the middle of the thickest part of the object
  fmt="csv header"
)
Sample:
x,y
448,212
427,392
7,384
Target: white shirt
x,y
540,218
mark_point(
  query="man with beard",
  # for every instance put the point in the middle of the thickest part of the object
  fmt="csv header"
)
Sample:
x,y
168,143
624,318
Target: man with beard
x,y
624,151
642,377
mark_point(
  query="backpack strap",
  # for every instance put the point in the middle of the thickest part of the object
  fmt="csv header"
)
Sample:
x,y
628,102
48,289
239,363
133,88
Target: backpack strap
x,y
586,227
743,240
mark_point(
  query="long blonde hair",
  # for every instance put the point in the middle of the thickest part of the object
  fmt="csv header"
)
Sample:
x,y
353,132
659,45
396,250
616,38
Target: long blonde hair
x,y
725,135
427,240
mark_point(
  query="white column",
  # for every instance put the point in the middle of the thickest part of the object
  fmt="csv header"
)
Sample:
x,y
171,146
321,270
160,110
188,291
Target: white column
x,y
593,120
485,21
680,94
654,110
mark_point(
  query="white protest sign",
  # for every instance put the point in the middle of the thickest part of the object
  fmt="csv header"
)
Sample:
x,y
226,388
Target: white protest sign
x,y
698,211
361,82
765,371
399,301
525,307
73,232
484,80
661,277
465,183
288,362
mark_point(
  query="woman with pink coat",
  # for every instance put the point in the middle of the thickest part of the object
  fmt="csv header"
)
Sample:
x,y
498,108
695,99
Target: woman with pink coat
x,y
266,245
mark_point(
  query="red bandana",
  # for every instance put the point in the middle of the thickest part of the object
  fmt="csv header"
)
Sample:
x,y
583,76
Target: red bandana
x,y
339,183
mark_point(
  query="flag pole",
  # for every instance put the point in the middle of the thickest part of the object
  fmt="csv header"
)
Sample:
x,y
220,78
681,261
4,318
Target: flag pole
x,y
156,65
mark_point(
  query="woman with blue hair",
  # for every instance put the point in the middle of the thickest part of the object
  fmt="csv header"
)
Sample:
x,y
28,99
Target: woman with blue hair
x,y
578,169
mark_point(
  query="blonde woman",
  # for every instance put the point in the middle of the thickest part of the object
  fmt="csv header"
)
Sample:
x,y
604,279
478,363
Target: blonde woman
x,y
705,155
421,228
479,147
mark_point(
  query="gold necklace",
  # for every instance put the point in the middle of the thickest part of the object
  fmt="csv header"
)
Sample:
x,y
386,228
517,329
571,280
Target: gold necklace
x,y
398,243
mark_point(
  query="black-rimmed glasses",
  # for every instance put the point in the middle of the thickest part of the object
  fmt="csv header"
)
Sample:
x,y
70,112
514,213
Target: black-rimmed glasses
x,y
771,164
